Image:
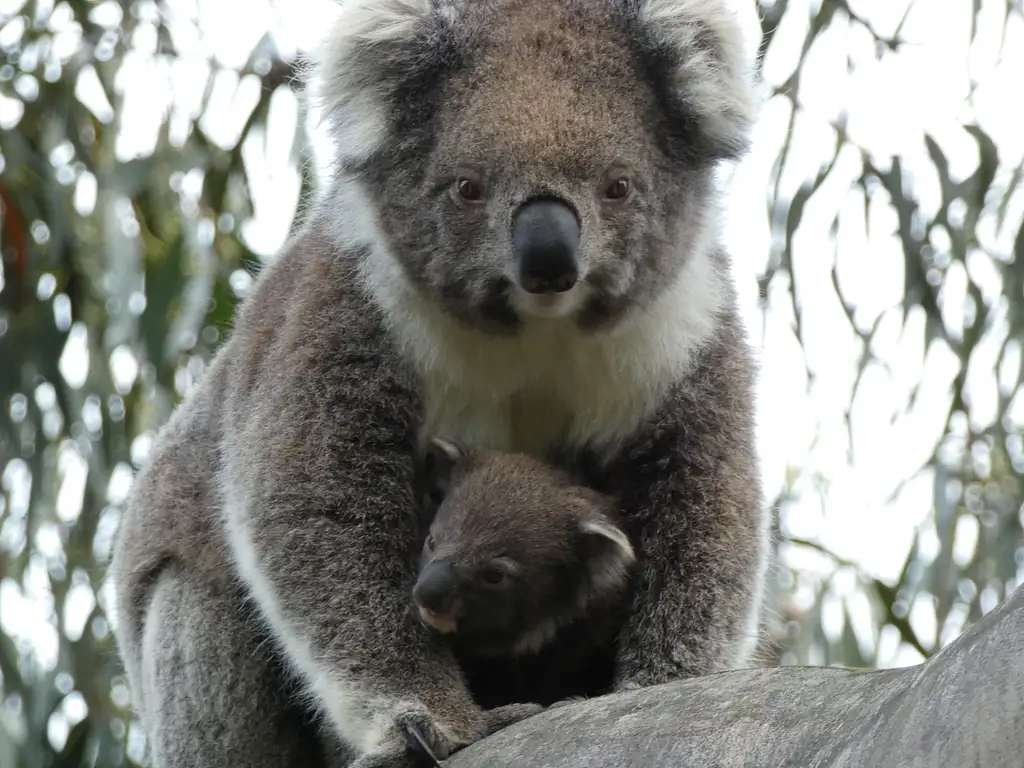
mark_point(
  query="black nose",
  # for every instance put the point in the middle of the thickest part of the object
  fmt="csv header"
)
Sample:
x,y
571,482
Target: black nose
x,y
435,588
545,235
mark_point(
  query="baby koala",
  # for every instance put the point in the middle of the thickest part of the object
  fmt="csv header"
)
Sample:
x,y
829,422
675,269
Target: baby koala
x,y
524,570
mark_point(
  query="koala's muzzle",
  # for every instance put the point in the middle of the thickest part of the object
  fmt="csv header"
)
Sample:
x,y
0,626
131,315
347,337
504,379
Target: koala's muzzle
x,y
435,589
545,238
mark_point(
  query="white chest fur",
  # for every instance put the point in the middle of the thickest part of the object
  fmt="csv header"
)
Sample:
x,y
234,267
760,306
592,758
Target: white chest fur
x,y
550,384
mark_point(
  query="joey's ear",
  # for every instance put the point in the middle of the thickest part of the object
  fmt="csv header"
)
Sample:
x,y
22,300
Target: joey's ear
x,y
442,456
609,553
434,466
609,536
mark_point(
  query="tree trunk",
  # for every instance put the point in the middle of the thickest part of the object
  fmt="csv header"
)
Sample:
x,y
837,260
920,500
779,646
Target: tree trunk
x,y
962,707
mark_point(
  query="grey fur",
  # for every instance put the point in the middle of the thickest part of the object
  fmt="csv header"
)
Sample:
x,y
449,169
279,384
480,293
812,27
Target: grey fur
x,y
964,706
275,519
207,679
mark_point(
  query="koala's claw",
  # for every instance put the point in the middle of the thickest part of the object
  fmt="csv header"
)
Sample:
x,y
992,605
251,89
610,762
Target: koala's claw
x,y
423,737
423,745
418,741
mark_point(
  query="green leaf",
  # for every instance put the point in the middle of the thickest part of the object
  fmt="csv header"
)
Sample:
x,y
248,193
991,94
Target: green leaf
x,y
165,280
74,752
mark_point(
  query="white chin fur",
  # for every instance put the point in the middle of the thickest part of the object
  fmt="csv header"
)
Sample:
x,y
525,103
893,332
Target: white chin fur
x,y
444,625
550,305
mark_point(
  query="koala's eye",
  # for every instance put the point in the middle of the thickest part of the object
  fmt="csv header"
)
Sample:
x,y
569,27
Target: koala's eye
x,y
492,576
469,190
618,189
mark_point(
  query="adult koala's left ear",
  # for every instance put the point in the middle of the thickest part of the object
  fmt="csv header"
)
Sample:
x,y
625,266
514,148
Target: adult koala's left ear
x,y
703,67
434,465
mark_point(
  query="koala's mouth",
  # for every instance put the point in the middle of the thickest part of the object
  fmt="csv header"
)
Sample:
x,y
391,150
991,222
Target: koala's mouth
x,y
445,623
550,305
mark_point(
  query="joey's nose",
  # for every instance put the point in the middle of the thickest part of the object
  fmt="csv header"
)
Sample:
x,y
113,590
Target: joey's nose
x,y
545,237
435,588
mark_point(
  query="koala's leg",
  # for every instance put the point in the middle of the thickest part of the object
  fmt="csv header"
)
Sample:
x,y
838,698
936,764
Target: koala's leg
x,y
212,695
704,545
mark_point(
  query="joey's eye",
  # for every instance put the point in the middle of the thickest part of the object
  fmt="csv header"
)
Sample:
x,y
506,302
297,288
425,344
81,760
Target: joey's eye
x,y
492,576
618,189
469,190
430,542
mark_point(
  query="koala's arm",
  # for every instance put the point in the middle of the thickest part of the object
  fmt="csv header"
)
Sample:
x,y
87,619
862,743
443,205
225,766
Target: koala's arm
x,y
316,463
691,491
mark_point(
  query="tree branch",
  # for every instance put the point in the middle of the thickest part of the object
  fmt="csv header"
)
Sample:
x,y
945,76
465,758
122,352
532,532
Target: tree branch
x,y
963,706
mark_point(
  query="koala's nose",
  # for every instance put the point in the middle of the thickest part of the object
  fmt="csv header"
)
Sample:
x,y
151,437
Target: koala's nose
x,y
435,588
545,237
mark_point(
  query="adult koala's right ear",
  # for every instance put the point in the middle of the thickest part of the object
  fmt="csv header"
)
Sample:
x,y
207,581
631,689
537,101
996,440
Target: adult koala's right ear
x,y
434,466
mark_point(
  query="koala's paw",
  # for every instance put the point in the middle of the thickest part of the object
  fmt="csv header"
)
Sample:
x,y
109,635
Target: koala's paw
x,y
502,717
417,743
420,736
425,737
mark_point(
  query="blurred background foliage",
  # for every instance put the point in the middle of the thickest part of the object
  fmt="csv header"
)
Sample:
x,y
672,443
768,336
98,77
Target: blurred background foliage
x,y
133,159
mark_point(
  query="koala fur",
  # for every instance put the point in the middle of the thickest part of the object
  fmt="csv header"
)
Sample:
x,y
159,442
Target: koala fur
x,y
271,536
208,680
546,629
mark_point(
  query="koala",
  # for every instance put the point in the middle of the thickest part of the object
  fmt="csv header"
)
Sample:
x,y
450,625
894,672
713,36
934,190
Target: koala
x,y
524,570
518,247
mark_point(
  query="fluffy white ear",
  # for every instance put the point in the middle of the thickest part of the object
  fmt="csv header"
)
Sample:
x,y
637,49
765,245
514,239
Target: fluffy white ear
x,y
712,67
373,46
446,451
610,555
615,537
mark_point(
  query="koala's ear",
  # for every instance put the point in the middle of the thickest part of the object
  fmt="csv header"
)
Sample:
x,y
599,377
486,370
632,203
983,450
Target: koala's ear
x,y
441,456
434,467
377,54
609,552
705,68
609,536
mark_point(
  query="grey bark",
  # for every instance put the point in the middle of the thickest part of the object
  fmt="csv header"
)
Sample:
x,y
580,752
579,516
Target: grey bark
x,y
962,707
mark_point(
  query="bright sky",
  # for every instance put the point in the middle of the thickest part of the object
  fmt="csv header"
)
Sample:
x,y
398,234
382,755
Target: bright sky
x,y
863,500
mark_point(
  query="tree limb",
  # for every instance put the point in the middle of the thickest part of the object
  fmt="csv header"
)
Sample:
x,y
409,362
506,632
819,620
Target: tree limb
x,y
962,707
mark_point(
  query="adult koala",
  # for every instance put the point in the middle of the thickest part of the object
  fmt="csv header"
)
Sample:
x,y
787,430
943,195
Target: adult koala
x,y
518,250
